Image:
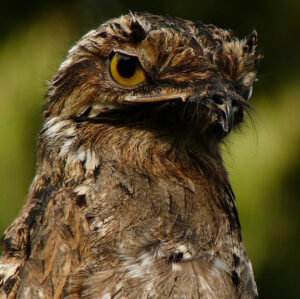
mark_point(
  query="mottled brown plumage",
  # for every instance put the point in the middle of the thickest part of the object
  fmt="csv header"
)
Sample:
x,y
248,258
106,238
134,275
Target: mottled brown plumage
x,y
131,198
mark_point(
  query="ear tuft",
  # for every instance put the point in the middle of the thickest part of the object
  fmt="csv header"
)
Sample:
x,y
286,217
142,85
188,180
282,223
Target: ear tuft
x,y
138,31
250,43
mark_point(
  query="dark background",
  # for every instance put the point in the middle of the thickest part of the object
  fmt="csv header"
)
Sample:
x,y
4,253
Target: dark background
x,y
263,160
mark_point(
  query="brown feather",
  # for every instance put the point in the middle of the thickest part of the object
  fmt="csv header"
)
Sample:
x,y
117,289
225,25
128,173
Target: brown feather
x,y
131,198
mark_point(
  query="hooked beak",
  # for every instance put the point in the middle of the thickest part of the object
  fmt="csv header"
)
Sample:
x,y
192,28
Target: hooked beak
x,y
226,114
225,109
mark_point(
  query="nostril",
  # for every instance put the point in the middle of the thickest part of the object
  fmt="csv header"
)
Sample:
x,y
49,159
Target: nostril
x,y
217,99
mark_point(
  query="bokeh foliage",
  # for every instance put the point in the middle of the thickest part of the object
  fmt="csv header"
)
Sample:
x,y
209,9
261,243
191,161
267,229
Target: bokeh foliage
x,y
263,159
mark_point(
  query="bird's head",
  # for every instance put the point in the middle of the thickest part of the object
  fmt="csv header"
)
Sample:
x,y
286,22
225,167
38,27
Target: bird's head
x,y
146,69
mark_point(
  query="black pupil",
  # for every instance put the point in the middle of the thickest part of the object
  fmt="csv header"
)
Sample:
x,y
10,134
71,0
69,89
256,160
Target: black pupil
x,y
126,66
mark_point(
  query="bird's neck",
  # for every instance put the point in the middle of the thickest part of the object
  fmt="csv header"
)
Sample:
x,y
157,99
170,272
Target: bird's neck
x,y
77,150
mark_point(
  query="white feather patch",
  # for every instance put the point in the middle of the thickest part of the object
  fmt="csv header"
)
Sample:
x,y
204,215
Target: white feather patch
x,y
55,129
91,161
7,270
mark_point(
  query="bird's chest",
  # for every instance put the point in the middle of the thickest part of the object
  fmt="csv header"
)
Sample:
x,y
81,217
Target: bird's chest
x,y
182,222
157,238
164,244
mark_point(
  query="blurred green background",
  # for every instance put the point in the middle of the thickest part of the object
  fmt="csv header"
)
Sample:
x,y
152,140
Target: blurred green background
x,y
263,160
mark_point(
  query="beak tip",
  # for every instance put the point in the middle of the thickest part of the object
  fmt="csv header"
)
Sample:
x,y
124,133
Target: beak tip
x,y
225,126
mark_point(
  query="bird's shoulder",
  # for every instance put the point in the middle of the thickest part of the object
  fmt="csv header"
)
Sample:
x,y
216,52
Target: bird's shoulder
x,y
42,244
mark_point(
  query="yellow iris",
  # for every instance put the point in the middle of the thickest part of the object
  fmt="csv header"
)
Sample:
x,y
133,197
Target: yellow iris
x,y
126,70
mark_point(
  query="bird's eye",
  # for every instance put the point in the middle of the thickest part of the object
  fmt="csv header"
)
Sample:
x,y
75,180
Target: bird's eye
x,y
126,70
248,93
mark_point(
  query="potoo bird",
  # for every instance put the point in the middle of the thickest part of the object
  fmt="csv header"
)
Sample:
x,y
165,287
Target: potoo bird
x,y
131,198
